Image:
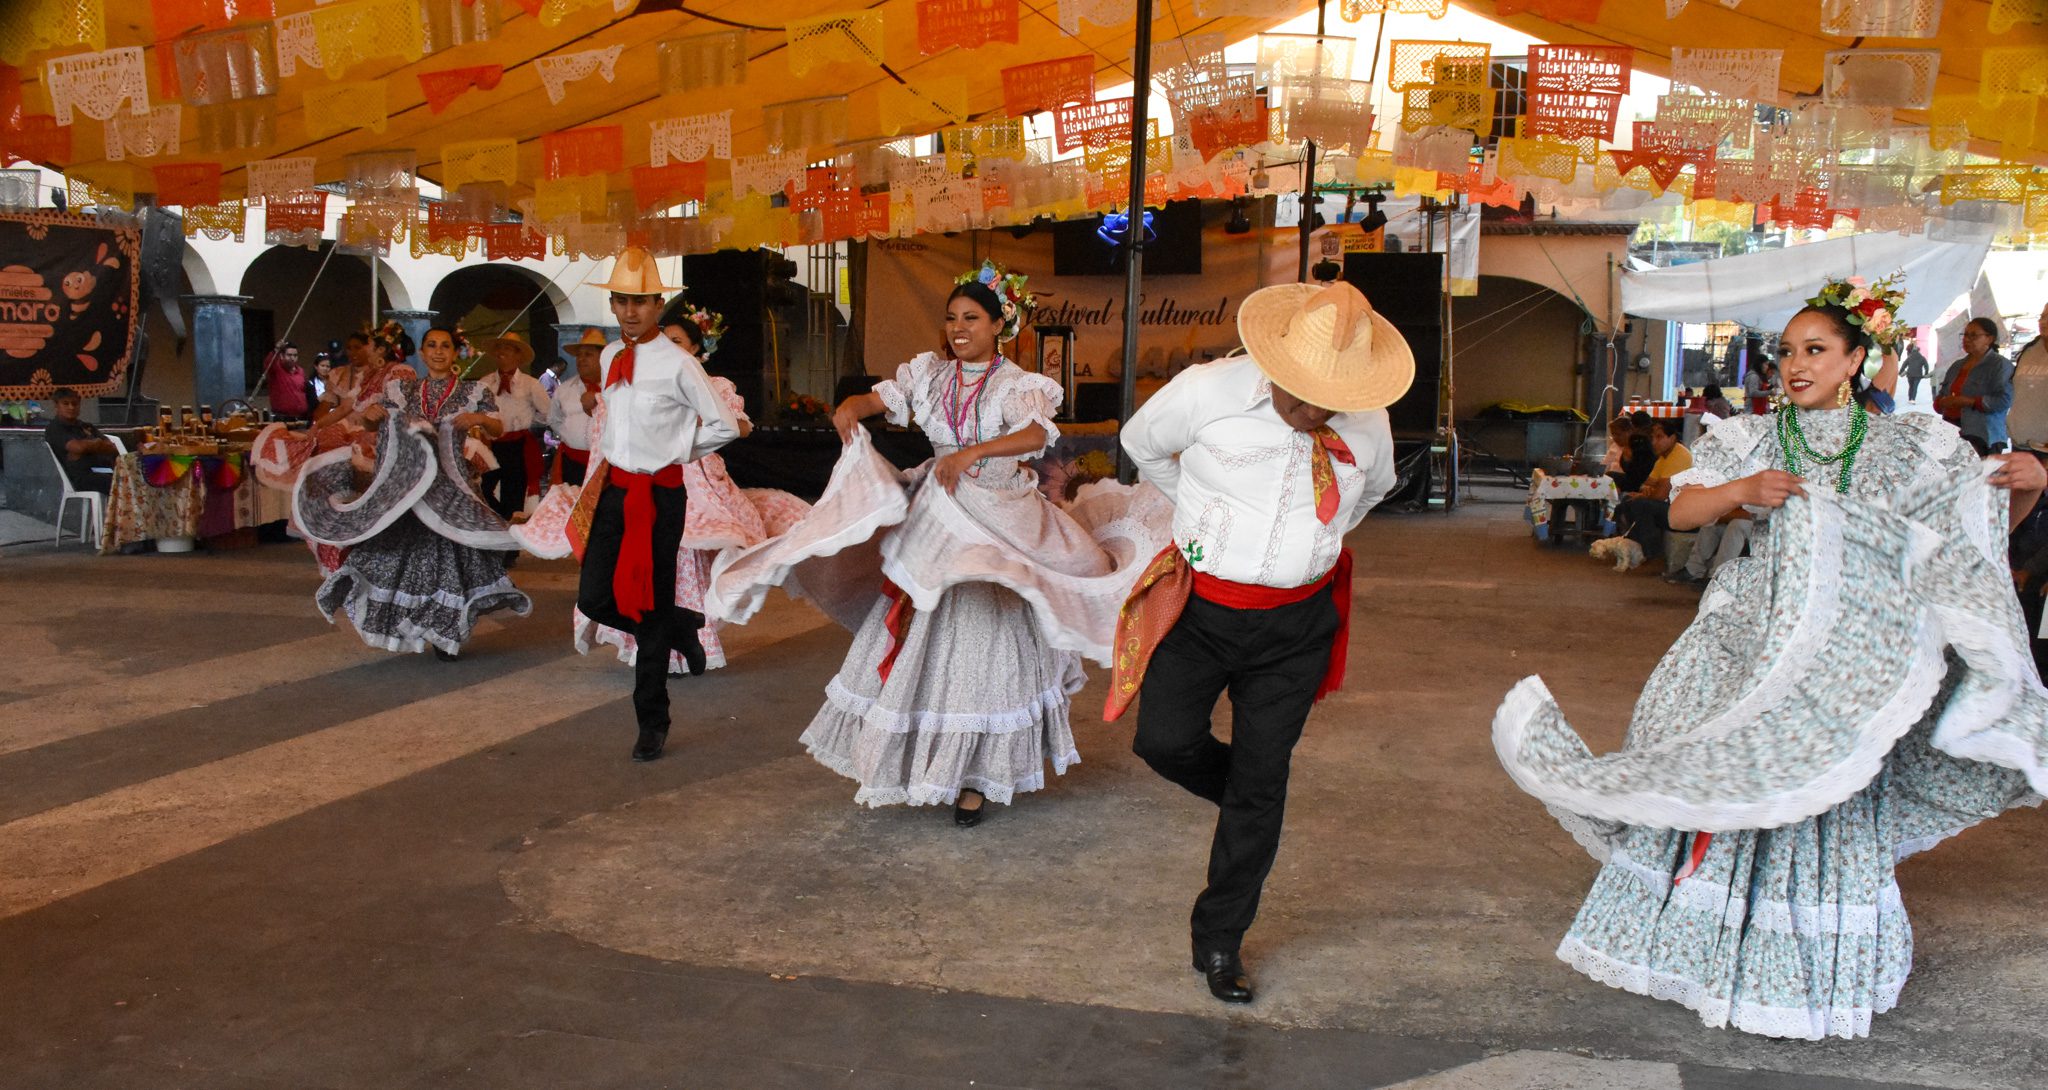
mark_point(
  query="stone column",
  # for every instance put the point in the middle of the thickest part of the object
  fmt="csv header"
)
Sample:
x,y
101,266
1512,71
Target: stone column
x,y
415,323
568,333
220,353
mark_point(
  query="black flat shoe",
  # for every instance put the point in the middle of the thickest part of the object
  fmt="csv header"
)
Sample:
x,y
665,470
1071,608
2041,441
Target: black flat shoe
x,y
444,656
1227,978
968,819
649,745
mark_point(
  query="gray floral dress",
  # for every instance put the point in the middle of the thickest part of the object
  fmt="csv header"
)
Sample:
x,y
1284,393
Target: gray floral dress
x,y
424,550
1858,691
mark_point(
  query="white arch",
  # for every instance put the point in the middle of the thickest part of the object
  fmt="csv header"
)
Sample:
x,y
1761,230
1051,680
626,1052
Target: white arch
x,y
196,271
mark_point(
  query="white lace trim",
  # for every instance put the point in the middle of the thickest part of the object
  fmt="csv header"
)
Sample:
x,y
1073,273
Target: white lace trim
x,y
1049,704
934,794
412,636
1799,1023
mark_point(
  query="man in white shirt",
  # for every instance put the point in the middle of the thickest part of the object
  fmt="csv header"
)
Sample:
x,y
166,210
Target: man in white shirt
x,y
523,407
660,414
575,400
1270,461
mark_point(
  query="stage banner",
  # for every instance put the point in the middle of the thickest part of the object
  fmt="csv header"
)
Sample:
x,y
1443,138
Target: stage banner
x,y
1181,318
68,301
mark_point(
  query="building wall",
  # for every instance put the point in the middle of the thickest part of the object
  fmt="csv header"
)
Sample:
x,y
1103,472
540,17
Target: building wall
x,y
1514,341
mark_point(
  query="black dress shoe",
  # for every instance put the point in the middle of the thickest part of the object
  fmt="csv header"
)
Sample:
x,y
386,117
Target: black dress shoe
x,y
444,656
1226,975
968,819
649,745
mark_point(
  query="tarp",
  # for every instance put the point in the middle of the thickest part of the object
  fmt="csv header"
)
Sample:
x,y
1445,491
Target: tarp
x,y
1763,290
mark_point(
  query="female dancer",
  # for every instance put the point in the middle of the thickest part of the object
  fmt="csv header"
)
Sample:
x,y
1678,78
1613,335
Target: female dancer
x,y
719,514
1854,693
280,453
956,688
423,561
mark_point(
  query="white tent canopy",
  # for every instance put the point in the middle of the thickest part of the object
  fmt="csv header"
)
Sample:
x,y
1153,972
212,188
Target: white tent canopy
x,y
1763,290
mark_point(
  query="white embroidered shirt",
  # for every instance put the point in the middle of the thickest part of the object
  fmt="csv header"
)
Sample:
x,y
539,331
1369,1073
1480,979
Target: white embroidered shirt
x,y
668,415
1244,504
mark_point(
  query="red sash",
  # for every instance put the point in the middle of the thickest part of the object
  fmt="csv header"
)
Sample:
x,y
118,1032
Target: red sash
x,y
580,457
1162,594
633,575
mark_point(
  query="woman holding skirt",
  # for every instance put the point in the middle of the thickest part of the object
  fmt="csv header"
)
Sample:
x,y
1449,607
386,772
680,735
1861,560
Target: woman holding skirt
x,y
973,597
1855,692
423,560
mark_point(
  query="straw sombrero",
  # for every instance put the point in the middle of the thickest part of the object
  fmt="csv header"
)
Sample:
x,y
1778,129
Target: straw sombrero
x,y
591,339
515,340
1325,344
634,274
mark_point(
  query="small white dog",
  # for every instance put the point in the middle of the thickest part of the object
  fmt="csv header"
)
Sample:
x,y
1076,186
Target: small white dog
x,y
1625,553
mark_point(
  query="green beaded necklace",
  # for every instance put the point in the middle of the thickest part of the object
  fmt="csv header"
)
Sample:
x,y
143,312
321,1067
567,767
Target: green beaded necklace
x,y
1792,438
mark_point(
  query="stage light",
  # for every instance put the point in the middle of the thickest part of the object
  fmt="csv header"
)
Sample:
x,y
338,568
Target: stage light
x,y
1116,228
1240,223
1374,218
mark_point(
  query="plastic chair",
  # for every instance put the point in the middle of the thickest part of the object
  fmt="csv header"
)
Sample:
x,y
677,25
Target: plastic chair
x,y
92,513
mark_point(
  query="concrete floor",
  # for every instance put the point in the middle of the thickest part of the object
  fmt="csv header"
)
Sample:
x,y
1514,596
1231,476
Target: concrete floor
x,y
240,850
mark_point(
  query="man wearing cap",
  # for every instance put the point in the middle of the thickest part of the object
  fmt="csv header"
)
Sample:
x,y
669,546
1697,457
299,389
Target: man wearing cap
x,y
1270,460
523,407
575,400
661,413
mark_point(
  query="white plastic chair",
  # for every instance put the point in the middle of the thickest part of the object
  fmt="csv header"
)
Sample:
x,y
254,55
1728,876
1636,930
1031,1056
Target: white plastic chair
x,y
94,510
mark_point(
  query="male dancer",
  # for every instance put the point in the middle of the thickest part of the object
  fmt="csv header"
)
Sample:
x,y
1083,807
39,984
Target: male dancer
x,y
575,400
1270,459
523,407
660,413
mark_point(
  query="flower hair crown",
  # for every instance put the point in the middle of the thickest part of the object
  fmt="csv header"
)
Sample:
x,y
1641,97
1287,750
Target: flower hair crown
x,y
1009,288
1873,308
710,327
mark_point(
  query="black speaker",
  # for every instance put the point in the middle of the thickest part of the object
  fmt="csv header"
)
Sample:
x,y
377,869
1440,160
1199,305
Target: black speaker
x,y
734,283
1407,289
1414,416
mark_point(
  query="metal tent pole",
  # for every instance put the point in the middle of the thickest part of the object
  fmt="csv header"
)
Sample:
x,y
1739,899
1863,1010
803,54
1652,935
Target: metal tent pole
x,y
1308,162
1134,225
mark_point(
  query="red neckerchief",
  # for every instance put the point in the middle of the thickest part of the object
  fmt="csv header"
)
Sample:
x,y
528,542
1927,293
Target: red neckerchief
x,y
1324,475
622,364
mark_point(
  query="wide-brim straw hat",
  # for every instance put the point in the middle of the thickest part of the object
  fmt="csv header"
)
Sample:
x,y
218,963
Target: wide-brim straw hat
x,y
1325,344
634,273
592,339
515,340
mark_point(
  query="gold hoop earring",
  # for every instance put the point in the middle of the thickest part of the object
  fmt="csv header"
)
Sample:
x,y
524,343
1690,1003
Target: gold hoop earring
x,y
1842,395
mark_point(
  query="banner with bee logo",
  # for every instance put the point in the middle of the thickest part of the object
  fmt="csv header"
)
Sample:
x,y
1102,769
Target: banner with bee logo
x,y
68,300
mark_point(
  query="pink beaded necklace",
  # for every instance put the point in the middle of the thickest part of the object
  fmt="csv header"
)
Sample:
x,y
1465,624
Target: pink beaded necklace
x,y
962,407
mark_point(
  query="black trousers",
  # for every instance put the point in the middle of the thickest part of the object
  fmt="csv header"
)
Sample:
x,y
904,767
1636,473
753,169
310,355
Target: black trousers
x,y
1648,520
573,471
661,629
1271,661
504,488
